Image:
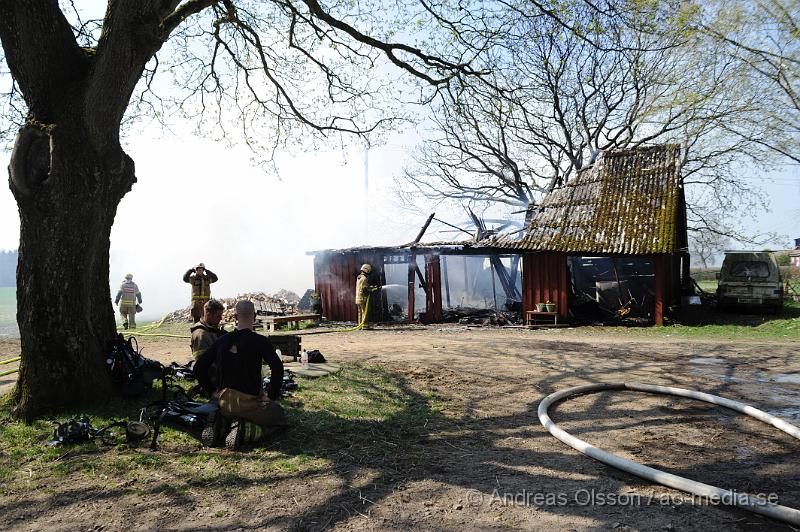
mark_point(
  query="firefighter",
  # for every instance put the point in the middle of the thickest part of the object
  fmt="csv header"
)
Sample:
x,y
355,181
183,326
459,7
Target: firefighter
x,y
206,331
200,278
362,292
238,387
127,297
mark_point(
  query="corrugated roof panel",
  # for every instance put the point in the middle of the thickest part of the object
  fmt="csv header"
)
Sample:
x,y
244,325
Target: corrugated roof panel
x,y
625,203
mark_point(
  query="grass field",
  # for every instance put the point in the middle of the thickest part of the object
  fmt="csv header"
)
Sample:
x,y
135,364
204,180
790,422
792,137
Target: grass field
x,y
708,286
374,397
722,326
8,306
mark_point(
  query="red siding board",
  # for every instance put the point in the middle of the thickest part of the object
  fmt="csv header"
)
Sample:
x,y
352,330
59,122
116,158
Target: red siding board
x,y
545,279
546,284
349,294
336,297
350,266
342,289
662,289
433,288
562,301
334,269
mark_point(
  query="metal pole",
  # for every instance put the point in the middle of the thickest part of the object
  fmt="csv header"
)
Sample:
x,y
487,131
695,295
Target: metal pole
x,y
446,280
494,289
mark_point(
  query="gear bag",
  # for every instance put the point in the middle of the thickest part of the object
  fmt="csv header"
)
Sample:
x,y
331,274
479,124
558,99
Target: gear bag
x,y
131,373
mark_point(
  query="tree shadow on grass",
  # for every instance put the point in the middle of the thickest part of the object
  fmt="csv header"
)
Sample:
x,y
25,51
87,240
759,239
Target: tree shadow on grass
x,y
376,434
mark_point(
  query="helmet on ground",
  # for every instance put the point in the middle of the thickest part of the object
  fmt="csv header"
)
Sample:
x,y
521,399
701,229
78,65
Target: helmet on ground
x,y
366,268
129,276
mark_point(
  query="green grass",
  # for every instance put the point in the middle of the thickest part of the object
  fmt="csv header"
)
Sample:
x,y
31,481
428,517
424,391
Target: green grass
x,y
168,330
783,327
361,413
709,286
182,329
8,306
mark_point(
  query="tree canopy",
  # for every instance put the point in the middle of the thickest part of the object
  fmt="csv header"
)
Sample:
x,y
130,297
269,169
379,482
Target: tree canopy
x,y
274,73
720,82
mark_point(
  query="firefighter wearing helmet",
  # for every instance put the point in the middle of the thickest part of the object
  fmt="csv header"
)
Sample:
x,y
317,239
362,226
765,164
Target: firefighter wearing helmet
x,y
127,297
363,290
200,278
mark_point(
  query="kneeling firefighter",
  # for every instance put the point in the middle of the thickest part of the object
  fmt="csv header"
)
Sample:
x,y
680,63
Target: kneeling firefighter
x,y
238,357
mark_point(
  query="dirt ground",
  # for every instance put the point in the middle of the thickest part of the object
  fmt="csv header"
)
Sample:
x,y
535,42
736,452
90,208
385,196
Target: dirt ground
x,y
486,462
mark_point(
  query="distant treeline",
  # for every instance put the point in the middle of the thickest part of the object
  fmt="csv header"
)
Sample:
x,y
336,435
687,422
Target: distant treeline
x,y
8,268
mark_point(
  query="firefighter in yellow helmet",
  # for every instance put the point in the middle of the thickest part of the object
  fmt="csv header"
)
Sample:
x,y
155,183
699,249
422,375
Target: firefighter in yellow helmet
x,y
200,278
363,290
127,297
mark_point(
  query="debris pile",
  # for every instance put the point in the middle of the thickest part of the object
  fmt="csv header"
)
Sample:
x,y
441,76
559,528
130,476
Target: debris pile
x,y
179,316
310,302
266,305
475,316
287,296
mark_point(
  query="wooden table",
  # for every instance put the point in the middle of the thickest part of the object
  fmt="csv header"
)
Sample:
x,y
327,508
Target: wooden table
x,y
532,315
292,319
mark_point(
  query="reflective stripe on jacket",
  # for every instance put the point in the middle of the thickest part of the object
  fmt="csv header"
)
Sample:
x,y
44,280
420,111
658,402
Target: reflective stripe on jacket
x,y
201,285
128,293
361,289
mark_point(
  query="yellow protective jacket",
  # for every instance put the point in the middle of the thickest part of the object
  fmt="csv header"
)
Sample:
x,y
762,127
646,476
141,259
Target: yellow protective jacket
x,y
201,284
203,336
362,289
128,294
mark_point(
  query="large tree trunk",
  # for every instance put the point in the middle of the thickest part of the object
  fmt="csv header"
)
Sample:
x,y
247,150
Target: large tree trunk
x,y
67,193
68,174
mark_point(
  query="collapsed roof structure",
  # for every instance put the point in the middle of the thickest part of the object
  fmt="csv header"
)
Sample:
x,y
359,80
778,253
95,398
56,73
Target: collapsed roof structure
x,y
612,241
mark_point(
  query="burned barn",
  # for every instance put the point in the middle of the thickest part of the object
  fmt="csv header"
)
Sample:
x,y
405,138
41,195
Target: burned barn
x,y
419,282
610,244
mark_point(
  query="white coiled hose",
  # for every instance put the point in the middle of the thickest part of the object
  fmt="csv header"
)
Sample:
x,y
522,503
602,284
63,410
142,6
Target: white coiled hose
x,y
742,500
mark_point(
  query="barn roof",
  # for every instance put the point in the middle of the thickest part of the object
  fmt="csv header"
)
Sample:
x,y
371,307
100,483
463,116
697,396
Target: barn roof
x,y
628,202
413,246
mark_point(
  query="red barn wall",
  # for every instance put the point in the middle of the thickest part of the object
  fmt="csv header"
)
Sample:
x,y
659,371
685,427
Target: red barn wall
x,y
544,278
335,282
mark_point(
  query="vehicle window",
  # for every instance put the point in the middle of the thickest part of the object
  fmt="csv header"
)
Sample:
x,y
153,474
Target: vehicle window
x,y
750,268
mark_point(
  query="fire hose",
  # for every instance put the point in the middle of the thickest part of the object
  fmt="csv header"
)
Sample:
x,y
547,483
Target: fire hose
x,y
9,361
730,497
145,331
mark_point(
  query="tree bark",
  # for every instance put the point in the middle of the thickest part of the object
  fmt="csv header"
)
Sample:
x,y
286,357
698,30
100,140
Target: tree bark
x,y
68,174
67,193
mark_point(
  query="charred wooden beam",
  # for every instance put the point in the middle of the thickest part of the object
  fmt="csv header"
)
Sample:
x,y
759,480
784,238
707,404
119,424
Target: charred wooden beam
x,y
424,228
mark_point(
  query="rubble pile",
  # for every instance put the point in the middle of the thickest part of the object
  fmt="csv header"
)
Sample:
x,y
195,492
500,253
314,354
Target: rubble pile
x,y
305,303
472,316
266,305
288,296
179,316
